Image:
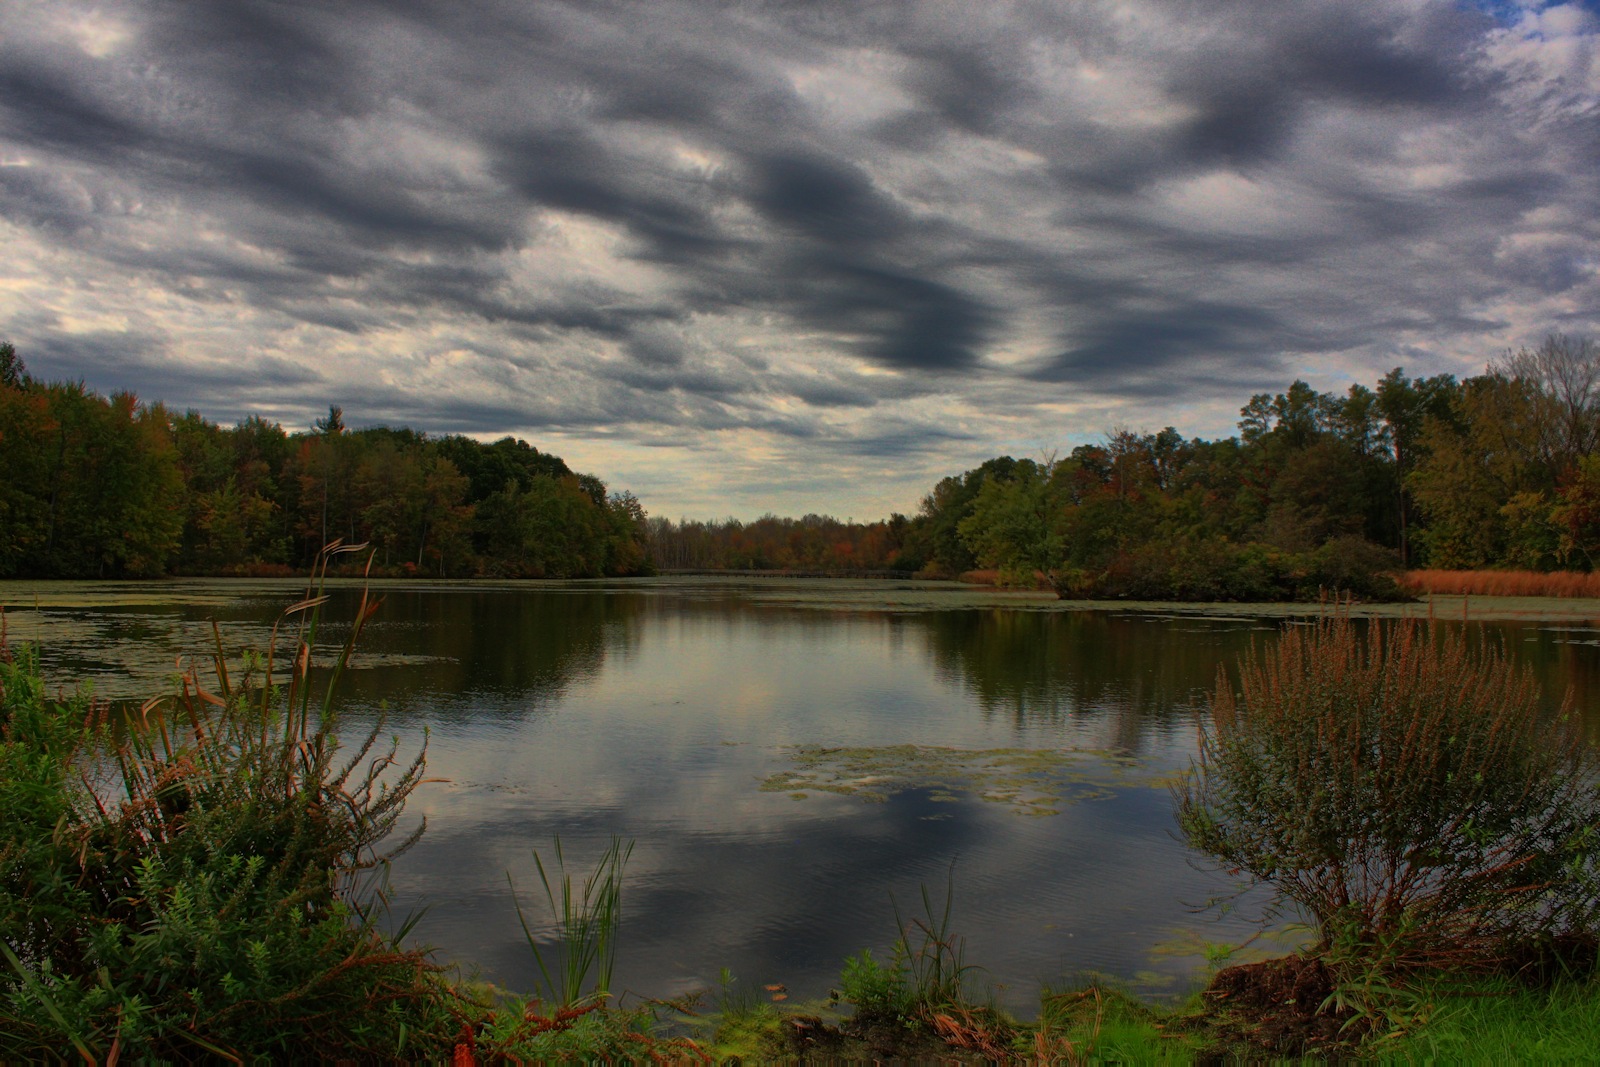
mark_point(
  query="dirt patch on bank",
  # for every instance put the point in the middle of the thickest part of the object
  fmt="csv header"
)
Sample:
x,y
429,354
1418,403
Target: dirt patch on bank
x,y
1277,1006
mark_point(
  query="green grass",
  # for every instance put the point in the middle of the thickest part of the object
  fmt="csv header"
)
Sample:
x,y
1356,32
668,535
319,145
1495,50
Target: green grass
x,y
1500,1022
1100,1024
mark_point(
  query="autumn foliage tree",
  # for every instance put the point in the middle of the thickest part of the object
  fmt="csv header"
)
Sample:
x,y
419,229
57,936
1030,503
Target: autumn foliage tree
x,y
114,487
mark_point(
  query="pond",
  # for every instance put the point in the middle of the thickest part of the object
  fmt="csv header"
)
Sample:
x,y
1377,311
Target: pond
x,y
792,759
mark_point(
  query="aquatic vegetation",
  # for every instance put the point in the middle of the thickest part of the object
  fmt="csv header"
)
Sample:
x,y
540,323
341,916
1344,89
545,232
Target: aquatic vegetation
x,y
1031,781
1584,584
586,927
933,954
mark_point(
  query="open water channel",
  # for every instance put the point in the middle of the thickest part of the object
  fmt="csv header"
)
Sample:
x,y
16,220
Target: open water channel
x,y
791,758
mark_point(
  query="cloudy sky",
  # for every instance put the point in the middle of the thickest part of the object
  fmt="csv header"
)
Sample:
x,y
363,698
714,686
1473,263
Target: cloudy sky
x,y
791,256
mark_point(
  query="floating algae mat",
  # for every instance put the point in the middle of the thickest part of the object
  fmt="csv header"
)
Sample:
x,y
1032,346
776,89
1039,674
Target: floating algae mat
x,y
1031,781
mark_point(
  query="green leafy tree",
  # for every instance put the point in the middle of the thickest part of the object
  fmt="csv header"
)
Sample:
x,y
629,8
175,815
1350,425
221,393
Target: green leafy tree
x,y
13,372
1473,464
1405,405
26,428
1015,524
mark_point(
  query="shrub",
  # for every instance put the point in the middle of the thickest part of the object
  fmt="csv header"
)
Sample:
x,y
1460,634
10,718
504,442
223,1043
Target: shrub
x,y
186,883
1356,567
876,989
1402,788
1193,568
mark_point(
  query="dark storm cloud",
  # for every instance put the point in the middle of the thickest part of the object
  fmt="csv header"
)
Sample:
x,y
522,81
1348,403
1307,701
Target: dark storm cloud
x,y
42,200
825,200
802,219
904,439
48,100
1287,64
1165,353
970,87
281,56
894,317
569,170
125,361
96,355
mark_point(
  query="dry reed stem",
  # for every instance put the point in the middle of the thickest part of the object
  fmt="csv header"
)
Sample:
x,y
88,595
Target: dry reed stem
x,y
966,1032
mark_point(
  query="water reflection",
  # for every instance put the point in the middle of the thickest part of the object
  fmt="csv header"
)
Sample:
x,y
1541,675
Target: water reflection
x,y
698,700
495,651
1044,667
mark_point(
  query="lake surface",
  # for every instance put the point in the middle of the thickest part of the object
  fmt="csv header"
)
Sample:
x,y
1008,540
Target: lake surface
x,y
789,757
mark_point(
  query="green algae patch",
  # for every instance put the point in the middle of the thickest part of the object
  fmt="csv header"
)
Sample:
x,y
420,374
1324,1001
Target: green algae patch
x,y
1030,781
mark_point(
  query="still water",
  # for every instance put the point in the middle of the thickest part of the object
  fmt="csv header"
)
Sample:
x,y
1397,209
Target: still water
x,y
791,759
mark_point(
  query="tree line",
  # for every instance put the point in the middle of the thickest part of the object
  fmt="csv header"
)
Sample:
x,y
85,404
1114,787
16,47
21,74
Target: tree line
x,y
1317,491
112,487
810,543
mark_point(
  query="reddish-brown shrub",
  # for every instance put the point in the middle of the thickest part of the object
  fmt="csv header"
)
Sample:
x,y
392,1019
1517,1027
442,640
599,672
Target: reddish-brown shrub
x,y
1402,787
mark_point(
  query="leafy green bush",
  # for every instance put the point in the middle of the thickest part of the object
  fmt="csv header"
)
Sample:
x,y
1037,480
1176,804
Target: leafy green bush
x,y
185,883
876,989
1403,789
1356,567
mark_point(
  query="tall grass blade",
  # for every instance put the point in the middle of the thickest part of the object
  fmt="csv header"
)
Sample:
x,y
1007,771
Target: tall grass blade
x,y
49,1005
586,918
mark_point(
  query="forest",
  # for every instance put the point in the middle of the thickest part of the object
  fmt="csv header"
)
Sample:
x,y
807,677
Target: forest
x,y
1317,491
112,487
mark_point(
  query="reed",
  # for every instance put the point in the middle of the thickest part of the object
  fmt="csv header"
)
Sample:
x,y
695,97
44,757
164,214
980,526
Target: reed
x,y
932,953
586,919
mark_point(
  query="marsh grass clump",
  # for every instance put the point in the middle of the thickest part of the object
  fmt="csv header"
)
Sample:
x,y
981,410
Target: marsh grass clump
x,y
1502,583
922,999
933,954
197,880
1405,790
587,919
